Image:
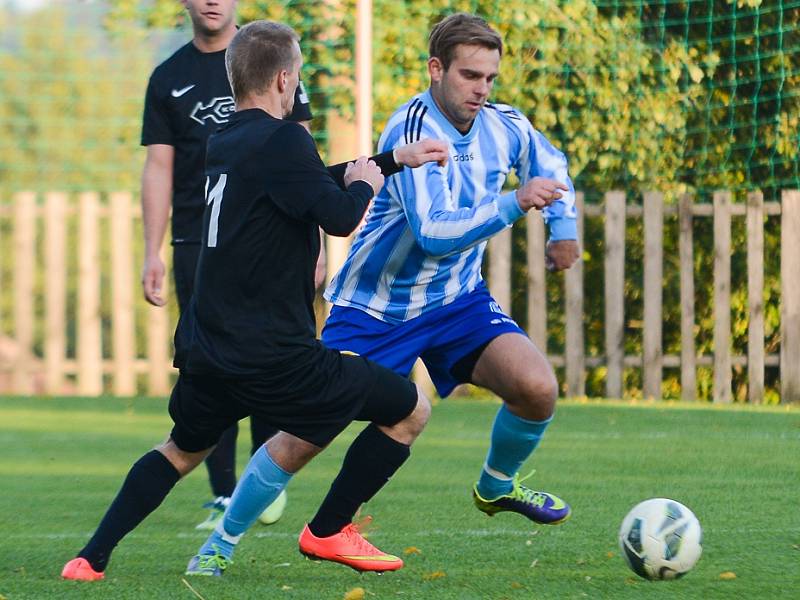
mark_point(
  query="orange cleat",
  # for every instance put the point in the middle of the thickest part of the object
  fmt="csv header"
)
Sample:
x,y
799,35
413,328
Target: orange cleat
x,y
349,548
79,569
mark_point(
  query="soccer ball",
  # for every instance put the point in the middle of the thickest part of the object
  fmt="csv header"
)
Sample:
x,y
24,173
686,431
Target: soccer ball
x,y
661,539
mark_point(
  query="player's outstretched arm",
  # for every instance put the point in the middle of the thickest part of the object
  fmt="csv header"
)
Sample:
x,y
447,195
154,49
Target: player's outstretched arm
x,y
303,188
392,161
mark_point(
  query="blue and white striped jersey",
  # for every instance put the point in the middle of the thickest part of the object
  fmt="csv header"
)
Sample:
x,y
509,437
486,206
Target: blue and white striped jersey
x,y
423,239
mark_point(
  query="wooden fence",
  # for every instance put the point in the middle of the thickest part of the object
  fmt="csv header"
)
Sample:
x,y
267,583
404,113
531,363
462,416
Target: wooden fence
x,y
615,211
43,231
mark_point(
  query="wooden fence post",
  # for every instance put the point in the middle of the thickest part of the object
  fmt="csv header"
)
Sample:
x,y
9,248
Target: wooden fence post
x,y
790,297
500,269
90,355
722,297
24,270
537,286
122,315
55,342
575,371
653,286
615,292
755,297
686,252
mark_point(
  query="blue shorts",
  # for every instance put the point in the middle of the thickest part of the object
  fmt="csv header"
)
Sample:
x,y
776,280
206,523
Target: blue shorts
x,y
440,337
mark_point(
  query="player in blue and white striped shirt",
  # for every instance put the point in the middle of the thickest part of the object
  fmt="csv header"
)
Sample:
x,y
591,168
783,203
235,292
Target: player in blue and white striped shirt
x,y
411,285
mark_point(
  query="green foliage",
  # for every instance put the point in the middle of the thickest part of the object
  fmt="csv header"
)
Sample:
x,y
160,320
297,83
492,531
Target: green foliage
x,y
70,104
615,104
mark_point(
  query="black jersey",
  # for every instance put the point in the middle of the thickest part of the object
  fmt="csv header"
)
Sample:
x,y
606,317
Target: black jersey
x,y
268,192
188,98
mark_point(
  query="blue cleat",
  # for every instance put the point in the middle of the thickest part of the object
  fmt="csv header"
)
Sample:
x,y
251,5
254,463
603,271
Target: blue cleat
x,y
539,507
208,565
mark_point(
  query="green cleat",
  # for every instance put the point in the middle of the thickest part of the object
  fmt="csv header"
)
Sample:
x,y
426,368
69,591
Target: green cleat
x,y
208,565
539,507
217,507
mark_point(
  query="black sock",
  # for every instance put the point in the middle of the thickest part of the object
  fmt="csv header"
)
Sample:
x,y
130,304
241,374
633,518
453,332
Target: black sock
x,y
221,464
148,482
371,460
260,432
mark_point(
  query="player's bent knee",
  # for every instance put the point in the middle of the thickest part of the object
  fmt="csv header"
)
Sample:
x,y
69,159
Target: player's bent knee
x,y
184,462
407,430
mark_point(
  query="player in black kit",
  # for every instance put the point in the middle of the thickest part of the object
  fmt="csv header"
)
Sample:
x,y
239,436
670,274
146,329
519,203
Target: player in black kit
x,y
188,98
246,344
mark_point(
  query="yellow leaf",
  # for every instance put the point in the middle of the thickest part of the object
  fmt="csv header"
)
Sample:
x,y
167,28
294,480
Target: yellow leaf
x,y
609,554
356,593
696,73
412,550
727,575
515,585
434,575
286,588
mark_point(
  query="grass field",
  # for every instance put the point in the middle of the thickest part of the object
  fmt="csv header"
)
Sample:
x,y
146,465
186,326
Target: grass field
x,y
739,470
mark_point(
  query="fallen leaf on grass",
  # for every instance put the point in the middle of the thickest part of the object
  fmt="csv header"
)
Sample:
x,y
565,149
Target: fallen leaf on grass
x,y
286,588
412,550
434,575
515,585
355,594
727,575
631,580
610,554
535,562
796,546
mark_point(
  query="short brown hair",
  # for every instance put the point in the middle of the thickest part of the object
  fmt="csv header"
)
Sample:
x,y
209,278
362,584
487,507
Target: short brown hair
x,y
461,28
258,52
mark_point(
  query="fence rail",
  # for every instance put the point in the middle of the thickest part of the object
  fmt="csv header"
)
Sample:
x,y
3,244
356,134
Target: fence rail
x,y
43,231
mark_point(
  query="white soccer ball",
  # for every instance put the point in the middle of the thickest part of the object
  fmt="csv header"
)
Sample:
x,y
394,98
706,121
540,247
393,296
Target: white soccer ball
x,y
661,539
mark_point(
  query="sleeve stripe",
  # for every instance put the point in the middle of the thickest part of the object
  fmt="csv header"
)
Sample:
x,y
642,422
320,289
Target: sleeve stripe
x,y
411,107
419,126
417,109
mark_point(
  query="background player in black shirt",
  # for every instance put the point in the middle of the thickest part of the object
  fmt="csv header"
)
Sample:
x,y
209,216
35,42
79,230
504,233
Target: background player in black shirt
x,y
246,344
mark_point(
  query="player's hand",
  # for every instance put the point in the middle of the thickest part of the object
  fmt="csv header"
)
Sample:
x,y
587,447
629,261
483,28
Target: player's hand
x,y
421,152
364,169
561,255
539,192
152,279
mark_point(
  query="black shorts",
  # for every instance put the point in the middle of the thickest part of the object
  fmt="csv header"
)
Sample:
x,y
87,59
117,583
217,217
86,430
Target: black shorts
x,y
314,402
184,265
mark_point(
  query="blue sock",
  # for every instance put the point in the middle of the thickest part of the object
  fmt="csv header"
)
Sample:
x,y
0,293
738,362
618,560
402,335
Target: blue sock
x,y
513,440
259,485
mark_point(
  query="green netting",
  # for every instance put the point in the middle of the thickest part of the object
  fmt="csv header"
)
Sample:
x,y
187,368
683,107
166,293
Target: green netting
x,y
672,95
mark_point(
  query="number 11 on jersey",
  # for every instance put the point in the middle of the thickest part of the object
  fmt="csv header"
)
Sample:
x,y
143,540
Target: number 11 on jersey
x,y
215,196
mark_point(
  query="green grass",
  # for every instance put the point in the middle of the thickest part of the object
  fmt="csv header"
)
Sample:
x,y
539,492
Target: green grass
x,y
62,461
